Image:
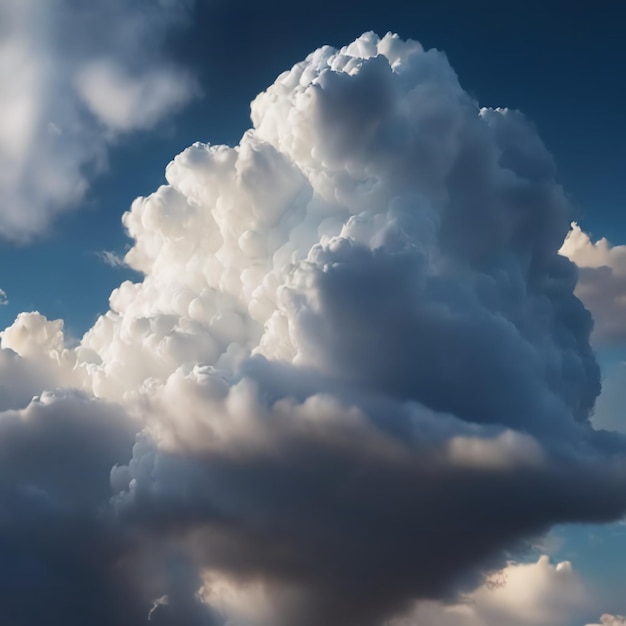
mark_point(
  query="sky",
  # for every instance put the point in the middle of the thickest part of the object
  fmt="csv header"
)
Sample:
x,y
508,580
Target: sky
x,y
313,315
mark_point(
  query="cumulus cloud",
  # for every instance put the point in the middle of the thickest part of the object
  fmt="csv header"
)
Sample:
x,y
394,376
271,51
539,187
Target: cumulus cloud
x,y
356,367
76,76
601,283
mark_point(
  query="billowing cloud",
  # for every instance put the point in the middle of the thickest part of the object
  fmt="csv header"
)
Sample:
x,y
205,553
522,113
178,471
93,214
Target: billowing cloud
x,y
356,366
75,76
601,283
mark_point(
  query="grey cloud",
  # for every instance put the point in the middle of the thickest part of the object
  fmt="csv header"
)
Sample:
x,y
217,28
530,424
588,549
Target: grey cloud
x,y
23,379
356,523
64,559
55,458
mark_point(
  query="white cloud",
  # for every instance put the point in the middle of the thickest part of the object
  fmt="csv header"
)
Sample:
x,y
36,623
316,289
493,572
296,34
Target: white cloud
x,y
111,258
75,78
533,594
356,367
601,282
123,102
585,253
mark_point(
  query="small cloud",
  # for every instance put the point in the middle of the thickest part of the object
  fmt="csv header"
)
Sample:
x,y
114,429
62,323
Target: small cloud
x,y
124,103
71,90
111,259
3,298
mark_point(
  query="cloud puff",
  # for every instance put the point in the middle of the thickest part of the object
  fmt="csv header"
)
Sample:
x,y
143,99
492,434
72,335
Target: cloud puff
x,y
601,283
533,594
75,77
356,364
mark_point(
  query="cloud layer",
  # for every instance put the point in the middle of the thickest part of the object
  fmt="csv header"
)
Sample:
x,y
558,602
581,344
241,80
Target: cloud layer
x,y
356,366
76,76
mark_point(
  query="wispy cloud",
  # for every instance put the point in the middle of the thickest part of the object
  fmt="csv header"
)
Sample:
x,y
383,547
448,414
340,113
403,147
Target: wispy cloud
x,y
76,77
111,258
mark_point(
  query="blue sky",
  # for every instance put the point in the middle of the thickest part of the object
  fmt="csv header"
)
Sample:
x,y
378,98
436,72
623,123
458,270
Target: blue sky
x,y
95,126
